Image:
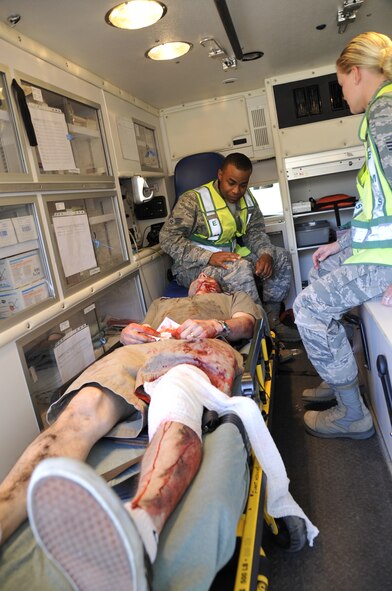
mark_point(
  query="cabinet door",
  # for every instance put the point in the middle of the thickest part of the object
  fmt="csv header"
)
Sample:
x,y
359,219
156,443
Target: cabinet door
x,y
12,163
25,278
56,353
210,126
87,235
69,134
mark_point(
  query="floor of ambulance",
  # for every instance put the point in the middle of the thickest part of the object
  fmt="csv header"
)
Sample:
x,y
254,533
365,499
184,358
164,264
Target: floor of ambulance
x,y
344,486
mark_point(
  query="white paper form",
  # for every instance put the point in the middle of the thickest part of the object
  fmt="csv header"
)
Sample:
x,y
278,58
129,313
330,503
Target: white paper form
x,y
52,136
126,135
7,233
25,228
74,352
74,241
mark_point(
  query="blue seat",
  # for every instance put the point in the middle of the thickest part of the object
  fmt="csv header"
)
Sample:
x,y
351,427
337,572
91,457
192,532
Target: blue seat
x,y
191,172
195,170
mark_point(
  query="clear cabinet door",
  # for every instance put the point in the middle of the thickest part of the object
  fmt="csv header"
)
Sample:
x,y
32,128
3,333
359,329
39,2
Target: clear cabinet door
x,y
11,160
25,281
55,354
69,134
88,236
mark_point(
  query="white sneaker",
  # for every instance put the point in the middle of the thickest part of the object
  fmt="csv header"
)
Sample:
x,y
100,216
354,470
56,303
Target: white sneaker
x,y
82,526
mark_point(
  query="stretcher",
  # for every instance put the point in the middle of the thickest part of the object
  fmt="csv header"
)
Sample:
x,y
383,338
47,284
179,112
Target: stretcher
x,y
23,566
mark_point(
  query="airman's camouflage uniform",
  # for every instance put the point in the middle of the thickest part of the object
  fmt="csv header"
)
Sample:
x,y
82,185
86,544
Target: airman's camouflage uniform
x,y
336,288
190,259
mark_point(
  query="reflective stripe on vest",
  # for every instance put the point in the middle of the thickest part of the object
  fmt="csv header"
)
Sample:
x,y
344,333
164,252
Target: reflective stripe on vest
x,y
372,218
220,222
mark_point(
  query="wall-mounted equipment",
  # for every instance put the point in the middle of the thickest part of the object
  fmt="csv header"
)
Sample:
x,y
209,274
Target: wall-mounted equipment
x,y
347,14
309,101
140,189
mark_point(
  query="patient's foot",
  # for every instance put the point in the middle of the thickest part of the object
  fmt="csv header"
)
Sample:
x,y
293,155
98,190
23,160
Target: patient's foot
x,y
82,526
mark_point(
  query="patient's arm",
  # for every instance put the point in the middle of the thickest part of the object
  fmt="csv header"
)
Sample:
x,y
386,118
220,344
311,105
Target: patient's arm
x,y
168,467
134,334
241,327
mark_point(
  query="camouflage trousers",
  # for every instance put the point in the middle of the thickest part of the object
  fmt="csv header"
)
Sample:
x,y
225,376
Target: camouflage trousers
x,y
239,276
335,289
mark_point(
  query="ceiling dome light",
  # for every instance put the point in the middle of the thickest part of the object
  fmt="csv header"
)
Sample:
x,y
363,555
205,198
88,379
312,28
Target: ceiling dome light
x,y
169,51
135,14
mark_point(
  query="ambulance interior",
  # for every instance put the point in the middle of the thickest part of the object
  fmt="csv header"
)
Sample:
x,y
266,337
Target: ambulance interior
x,y
258,78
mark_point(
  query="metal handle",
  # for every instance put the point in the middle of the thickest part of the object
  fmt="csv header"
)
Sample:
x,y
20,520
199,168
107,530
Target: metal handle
x,y
383,373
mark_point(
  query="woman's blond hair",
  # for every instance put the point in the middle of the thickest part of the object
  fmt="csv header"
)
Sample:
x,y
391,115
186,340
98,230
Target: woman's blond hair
x,y
367,50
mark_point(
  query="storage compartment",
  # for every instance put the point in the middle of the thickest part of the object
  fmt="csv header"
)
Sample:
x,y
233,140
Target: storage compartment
x,y
20,270
311,233
15,300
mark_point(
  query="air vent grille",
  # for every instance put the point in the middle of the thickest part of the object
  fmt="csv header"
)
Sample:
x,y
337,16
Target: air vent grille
x,y
261,137
260,127
258,118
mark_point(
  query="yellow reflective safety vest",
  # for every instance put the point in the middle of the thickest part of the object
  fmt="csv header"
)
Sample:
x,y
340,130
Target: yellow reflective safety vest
x,y
372,218
222,227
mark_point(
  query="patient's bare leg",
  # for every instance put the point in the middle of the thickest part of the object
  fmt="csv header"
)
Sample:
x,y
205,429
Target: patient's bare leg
x,y
87,418
168,467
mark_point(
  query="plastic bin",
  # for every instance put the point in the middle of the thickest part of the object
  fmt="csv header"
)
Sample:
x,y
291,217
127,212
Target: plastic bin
x,y
313,232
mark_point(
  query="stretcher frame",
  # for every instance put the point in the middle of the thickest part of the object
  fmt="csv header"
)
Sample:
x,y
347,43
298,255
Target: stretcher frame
x,y
258,382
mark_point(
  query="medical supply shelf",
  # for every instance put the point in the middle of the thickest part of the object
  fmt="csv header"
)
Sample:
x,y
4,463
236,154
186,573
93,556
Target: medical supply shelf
x,y
315,176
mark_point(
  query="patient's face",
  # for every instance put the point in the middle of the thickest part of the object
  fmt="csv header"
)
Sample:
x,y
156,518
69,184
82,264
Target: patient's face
x,y
204,284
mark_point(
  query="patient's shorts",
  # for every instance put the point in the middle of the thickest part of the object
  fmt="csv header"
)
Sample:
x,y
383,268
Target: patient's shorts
x,y
125,370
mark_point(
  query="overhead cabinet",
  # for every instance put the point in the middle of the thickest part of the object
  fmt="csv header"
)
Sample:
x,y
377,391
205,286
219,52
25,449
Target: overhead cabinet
x,y
234,123
65,132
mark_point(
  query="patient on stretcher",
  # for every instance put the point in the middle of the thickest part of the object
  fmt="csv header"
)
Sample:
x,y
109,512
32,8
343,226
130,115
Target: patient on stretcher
x,y
81,524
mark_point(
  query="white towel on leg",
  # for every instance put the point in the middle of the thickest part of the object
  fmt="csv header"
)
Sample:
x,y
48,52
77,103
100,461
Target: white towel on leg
x,y
191,379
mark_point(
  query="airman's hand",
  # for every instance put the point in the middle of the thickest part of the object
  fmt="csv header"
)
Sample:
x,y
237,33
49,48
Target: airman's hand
x,y
264,266
218,259
387,297
323,252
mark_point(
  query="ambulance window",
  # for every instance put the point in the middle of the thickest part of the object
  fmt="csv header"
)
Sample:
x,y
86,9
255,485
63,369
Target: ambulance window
x,y
269,198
